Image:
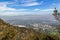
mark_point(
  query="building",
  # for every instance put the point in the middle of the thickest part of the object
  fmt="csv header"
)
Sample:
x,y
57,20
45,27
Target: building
x,y
21,26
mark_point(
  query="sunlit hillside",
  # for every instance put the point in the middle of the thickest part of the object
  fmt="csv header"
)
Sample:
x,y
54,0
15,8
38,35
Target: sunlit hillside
x,y
9,32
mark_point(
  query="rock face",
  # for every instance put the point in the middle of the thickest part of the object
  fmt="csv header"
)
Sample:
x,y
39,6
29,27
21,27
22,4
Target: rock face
x,y
9,32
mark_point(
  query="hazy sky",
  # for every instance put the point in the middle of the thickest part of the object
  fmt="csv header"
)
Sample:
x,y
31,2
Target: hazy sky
x,y
23,7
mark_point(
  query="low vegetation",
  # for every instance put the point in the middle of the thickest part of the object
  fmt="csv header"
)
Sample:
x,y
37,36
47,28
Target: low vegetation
x,y
9,32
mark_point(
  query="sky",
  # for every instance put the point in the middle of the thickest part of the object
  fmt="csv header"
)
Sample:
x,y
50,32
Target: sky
x,y
26,7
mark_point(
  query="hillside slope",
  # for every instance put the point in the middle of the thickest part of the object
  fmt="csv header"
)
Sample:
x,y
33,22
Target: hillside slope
x,y
9,32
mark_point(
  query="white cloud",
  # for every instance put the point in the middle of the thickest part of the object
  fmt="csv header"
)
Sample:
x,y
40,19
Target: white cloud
x,y
8,14
28,2
25,1
36,9
47,10
3,7
32,3
43,9
14,12
7,11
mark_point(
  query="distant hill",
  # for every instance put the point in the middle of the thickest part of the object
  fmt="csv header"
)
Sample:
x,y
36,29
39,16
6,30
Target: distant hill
x,y
10,32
